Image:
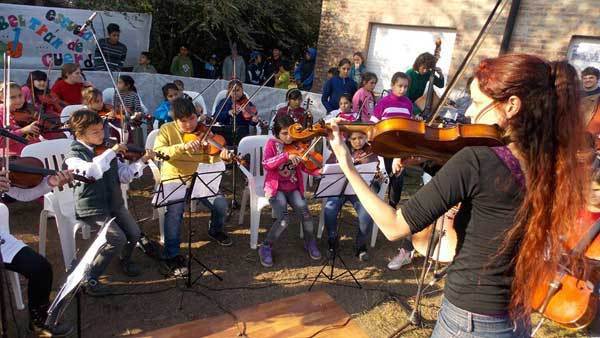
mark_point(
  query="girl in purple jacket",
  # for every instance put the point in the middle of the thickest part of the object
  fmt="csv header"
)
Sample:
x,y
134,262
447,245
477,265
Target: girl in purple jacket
x,y
284,185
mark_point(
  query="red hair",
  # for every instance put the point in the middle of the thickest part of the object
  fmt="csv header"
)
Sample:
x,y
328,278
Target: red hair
x,y
549,132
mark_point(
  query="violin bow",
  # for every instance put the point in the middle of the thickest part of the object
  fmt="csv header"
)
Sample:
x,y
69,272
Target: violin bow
x,y
205,89
5,117
42,109
494,16
214,118
256,92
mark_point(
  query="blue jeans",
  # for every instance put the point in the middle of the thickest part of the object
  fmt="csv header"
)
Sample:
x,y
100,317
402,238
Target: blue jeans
x,y
455,322
279,204
174,218
332,209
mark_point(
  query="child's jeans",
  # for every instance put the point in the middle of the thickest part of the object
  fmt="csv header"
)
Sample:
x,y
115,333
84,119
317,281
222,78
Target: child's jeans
x,y
332,209
279,204
121,237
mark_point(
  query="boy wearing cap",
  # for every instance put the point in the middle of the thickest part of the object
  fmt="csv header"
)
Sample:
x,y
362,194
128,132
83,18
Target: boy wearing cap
x,y
114,51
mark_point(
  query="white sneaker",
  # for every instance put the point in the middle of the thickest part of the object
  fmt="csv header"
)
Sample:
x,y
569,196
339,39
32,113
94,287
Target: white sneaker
x,y
401,259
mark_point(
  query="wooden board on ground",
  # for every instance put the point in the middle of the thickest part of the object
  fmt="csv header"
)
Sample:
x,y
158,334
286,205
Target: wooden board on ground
x,y
297,316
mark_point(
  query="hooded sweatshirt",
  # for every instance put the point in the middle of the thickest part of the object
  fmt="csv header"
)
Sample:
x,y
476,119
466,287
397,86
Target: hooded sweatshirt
x,y
334,88
305,72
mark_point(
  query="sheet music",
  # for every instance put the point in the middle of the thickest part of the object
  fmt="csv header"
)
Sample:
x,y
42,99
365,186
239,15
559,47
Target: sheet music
x,y
208,180
172,191
78,275
334,181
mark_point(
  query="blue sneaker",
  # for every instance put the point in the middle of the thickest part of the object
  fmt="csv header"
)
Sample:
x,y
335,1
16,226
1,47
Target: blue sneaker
x,y
265,254
313,250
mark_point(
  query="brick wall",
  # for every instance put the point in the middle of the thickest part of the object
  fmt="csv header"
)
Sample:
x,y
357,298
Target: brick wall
x,y
543,27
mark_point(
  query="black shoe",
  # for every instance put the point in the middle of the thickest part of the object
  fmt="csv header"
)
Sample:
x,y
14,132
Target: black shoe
x,y
96,289
130,268
37,324
362,254
177,266
221,238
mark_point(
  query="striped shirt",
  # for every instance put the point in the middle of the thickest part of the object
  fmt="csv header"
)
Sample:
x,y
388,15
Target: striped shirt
x,y
131,100
114,54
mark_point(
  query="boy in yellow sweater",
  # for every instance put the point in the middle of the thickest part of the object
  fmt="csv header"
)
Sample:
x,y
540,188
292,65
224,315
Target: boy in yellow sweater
x,y
183,161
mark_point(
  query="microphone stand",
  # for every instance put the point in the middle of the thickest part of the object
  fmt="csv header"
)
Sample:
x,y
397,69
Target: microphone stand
x,y
112,79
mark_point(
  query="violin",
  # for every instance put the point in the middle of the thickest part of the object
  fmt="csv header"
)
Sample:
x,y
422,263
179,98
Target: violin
x,y
46,123
133,153
108,110
28,172
311,159
242,106
401,137
50,100
212,144
565,298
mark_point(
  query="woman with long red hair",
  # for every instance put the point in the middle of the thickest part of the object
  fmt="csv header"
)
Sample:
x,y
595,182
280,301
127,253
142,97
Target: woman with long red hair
x,y
516,201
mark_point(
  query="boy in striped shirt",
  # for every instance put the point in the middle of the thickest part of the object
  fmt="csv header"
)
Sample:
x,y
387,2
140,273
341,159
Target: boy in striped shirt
x,y
114,51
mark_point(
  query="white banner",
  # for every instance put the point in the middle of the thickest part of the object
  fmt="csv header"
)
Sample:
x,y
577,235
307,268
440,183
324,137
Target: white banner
x,y
36,35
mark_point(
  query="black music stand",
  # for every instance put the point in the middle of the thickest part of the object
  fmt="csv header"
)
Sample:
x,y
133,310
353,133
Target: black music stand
x,y
334,183
73,284
185,189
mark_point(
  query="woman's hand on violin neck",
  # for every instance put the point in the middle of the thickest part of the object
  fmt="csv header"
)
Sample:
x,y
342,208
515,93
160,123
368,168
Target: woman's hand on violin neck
x,y
61,178
4,181
149,154
119,148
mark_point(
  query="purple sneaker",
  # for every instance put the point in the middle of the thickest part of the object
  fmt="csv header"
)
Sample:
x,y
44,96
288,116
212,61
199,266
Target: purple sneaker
x,y
313,250
266,258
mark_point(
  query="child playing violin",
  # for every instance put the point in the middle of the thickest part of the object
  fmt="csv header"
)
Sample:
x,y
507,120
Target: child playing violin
x,y
184,159
98,202
361,154
293,107
229,108
25,125
36,91
133,105
92,98
284,185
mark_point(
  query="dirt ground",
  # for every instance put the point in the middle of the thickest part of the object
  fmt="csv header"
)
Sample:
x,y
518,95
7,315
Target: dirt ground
x,y
150,301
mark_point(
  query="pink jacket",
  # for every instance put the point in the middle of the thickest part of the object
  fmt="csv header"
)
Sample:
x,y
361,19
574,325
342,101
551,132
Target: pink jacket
x,y
363,103
273,159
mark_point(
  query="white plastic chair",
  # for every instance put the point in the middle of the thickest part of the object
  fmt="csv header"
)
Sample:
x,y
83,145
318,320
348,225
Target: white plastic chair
x,y
198,100
12,276
381,194
255,175
108,96
59,203
157,212
254,193
67,111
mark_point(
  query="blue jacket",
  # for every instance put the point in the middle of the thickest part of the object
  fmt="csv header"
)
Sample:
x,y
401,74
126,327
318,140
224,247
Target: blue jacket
x,y
162,112
356,74
224,117
334,88
305,71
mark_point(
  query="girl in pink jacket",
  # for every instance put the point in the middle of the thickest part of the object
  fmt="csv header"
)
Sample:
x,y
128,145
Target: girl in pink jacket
x,y
363,101
283,186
